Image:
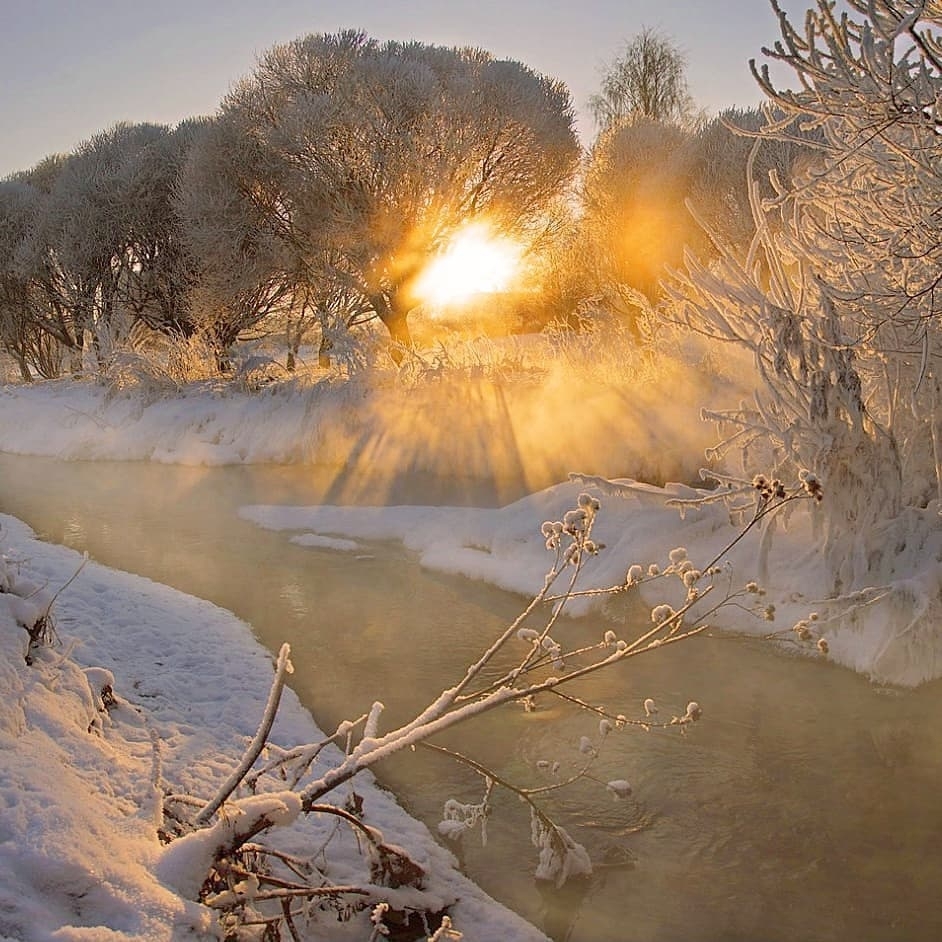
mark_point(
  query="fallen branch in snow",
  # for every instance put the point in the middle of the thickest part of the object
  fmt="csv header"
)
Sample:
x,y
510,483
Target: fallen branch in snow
x,y
282,669
41,627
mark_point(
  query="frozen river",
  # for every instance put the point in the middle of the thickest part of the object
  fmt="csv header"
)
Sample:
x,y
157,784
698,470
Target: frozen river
x,y
804,806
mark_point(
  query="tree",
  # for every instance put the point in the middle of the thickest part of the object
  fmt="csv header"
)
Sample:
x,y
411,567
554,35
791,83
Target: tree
x,y
244,270
21,308
648,80
38,309
637,179
76,244
363,158
725,163
157,269
103,248
838,298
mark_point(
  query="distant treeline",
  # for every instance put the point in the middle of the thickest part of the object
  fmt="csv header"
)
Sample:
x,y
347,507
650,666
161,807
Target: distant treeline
x,y
309,204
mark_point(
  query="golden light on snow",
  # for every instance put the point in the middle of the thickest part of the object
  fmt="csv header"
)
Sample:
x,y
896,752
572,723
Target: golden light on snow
x,y
476,261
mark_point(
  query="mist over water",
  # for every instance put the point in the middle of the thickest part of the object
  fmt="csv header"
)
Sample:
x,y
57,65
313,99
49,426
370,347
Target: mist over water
x,y
803,806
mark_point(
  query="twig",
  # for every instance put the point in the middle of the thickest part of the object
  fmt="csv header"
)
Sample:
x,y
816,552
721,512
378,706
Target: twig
x,y
254,750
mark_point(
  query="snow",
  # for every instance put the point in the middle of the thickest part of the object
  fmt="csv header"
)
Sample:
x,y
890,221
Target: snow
x,y
79,854
325,422
640,527
184,863
640,523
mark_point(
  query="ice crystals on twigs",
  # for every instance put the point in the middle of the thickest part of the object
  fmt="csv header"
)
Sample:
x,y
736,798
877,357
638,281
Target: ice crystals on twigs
x,y
811,484
561,858
586,747
446,931
661,613
459,817
693,713
377,915
577,524
769,489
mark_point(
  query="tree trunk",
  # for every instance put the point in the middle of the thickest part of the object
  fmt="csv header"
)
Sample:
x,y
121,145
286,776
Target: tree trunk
x,y
395,316
323,352
25,374
77,354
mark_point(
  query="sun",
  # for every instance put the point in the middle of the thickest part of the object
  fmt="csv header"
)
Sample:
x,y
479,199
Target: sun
x,y
474,262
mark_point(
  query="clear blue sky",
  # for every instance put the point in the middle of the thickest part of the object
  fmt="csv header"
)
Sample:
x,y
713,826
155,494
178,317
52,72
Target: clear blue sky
x,y
71,68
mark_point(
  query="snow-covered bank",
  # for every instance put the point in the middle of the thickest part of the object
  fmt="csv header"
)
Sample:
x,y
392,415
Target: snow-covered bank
x,y
640,524
475,428
78,841
371,431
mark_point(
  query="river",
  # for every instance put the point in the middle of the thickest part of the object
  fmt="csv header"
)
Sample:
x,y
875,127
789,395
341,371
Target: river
x,y
804,806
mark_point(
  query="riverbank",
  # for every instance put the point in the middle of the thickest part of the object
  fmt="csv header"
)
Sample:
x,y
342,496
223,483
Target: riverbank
x,y
78,831
499,443
735,840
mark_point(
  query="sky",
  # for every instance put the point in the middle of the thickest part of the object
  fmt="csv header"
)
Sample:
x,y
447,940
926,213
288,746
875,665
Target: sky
x,y
71,68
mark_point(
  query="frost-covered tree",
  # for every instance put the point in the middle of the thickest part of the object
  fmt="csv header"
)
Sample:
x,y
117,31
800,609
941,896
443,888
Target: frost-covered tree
x,y
157,269
723,165
637,179
75,246
653,190
244,270
103,247
38,324
838,295
361,158
22,311
648,80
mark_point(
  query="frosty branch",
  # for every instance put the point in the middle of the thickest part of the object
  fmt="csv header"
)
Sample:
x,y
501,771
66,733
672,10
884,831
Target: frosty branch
x,y
244,876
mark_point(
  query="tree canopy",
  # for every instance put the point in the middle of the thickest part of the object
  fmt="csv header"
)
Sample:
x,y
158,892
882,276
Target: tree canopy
x,y
648,80
365,157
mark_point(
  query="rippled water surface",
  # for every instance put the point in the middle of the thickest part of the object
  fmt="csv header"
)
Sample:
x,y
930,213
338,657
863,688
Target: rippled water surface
x,y
805,805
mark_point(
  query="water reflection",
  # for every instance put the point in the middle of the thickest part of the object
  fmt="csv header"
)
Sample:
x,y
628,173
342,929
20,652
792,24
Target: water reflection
x,y
804,806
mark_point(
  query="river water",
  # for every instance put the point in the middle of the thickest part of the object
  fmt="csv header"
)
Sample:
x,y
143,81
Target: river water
x,y
805,806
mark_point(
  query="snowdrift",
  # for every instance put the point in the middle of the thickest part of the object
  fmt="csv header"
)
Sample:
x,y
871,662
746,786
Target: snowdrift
x,y
882,631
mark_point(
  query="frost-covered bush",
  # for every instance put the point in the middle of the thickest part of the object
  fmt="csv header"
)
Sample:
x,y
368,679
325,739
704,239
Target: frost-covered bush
x,y
836,299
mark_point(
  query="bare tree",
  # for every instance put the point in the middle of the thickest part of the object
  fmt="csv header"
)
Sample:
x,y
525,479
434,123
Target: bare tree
x,y
648,80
